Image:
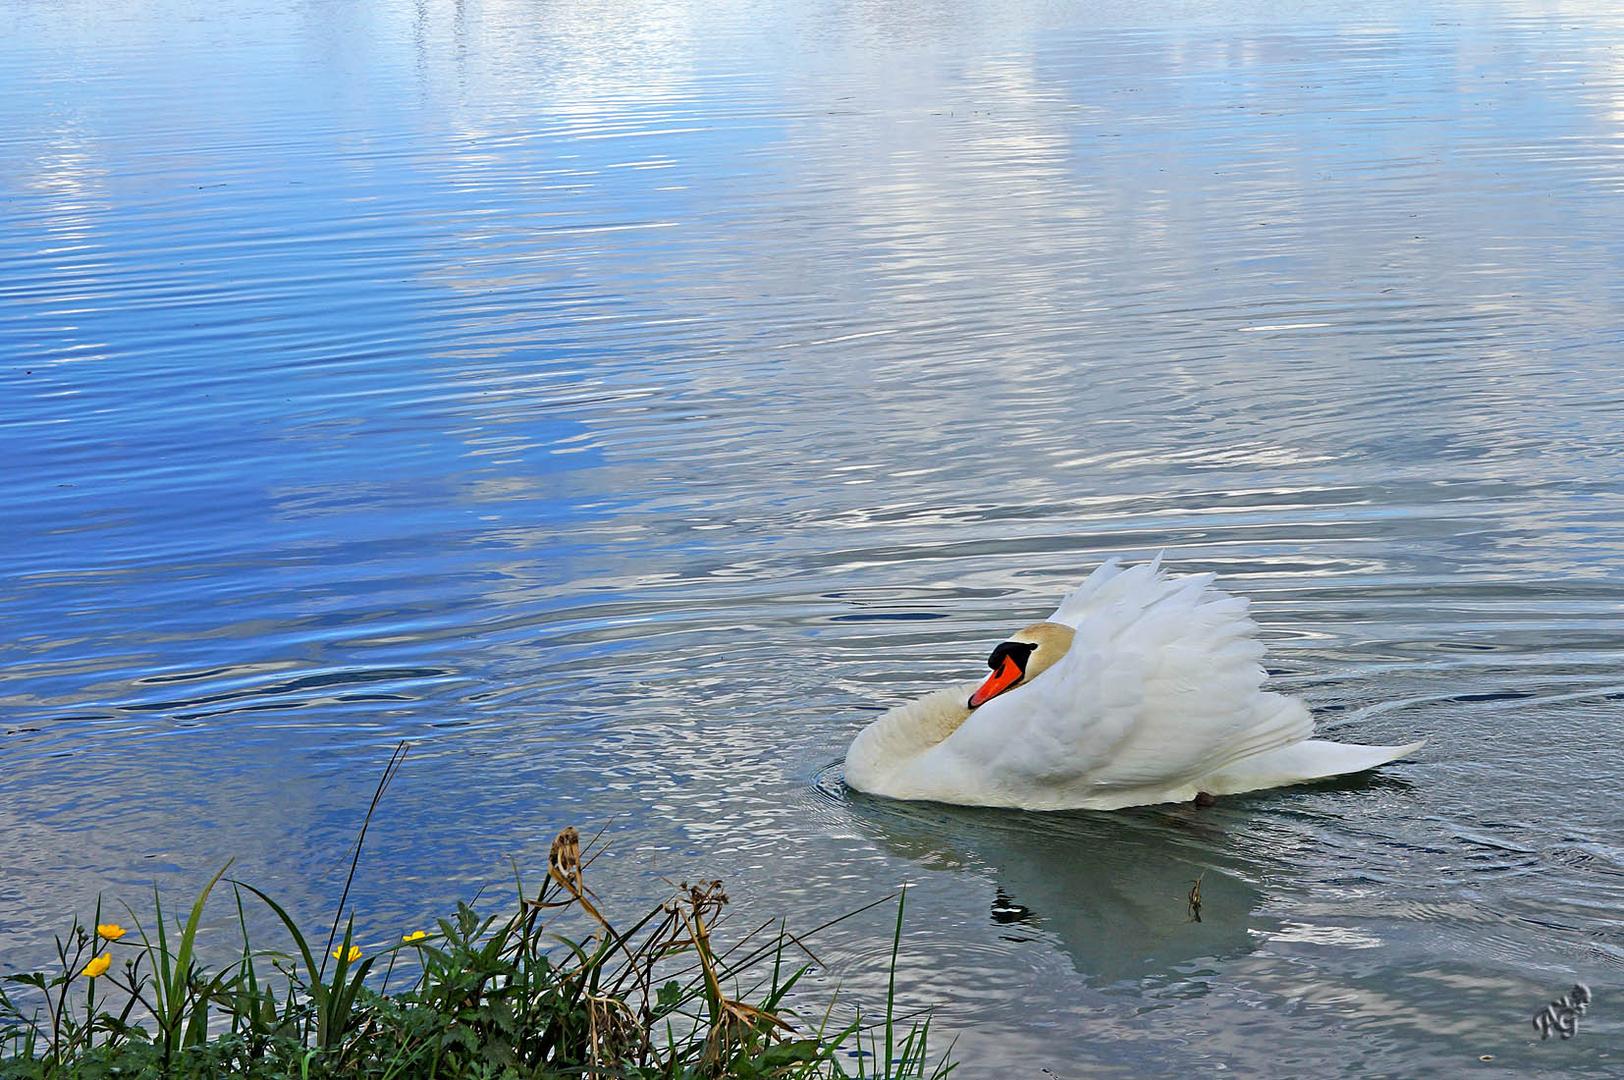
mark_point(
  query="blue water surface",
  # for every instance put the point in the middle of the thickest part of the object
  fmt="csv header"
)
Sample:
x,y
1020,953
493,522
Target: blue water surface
x,y
621,402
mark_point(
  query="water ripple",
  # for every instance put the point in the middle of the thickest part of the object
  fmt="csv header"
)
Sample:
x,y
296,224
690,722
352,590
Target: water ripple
x,y
624,402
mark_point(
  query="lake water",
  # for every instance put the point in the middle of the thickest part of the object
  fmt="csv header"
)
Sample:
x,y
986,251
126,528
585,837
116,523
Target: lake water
x,y
622,402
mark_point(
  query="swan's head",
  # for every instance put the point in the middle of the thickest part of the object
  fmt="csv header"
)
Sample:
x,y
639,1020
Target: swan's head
x,y
1022,658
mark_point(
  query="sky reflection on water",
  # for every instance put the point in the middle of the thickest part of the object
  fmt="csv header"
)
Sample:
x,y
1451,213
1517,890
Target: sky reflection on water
x,y
622,402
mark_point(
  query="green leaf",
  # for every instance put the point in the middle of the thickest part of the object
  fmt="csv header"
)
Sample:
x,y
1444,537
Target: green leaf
x,y
668,996
798,1052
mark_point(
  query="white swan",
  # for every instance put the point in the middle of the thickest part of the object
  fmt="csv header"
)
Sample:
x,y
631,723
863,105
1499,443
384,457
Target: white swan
x,y
1141,688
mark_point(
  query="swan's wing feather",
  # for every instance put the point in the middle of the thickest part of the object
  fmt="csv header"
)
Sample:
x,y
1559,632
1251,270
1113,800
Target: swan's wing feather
x,y
1162,685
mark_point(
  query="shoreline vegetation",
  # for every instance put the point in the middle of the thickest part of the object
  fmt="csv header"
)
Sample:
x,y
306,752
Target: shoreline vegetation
x,y
489,996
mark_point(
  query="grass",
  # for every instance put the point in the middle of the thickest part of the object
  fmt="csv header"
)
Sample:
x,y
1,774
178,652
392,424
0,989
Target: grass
x,y
507,994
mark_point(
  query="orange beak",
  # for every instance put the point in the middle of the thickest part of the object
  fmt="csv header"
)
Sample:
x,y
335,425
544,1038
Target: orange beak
x,y
1007,675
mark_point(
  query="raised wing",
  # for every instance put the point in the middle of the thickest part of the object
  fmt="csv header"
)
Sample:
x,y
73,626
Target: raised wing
x,y
1161,686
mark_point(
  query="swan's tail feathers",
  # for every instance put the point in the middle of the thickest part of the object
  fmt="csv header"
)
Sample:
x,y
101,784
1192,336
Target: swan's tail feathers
x,y
1312,759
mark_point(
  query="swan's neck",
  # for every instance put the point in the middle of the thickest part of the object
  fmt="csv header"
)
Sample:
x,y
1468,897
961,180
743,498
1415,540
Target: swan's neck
x,y
906,732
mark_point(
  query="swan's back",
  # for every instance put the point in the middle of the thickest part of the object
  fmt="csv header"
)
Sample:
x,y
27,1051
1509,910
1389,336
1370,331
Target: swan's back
x,y
1162,685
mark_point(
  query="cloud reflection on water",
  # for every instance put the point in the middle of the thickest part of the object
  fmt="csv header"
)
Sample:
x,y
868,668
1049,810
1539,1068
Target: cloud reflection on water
x,y
622,401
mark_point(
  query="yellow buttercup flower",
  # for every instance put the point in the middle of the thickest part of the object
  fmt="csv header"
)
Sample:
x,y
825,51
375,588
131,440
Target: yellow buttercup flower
x,y
355,953
98,966
109,931
415,935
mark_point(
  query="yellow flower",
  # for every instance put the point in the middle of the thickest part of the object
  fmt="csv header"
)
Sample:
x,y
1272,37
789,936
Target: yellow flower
x,y
355,953
98,966
109,931
415,935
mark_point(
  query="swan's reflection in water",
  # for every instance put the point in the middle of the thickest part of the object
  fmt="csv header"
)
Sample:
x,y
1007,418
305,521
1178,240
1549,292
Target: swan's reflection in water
x,y
1112,890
